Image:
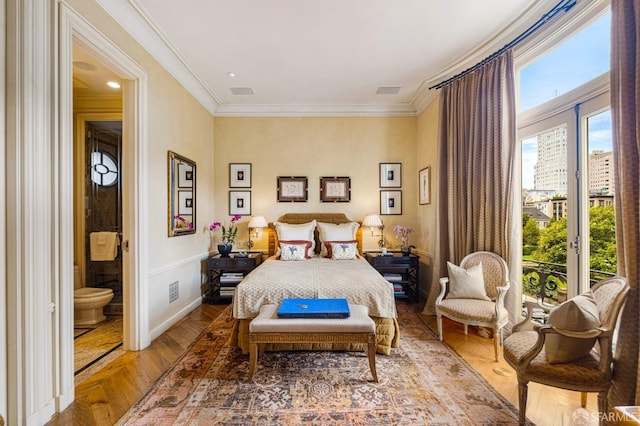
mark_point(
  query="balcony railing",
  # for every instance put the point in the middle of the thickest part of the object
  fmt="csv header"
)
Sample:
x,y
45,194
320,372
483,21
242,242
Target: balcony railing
x,y
547,282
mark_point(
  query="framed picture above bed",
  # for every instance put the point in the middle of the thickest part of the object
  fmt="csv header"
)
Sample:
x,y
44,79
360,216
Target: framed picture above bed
x,y
335,189
292,189
390,175
391,202
240,203
239,175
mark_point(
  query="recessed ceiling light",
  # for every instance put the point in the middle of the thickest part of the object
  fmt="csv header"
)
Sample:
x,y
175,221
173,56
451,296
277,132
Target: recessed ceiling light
x,y
84,66
113,84
231,74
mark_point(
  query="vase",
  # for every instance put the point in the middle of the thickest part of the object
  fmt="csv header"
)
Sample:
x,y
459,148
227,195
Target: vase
x,y
405,250
224,249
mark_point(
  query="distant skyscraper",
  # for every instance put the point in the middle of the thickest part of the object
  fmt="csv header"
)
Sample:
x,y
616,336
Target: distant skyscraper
x,y
551,167
601,176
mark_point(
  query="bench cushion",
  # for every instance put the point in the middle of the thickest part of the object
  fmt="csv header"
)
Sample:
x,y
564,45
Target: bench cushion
x,y
268,322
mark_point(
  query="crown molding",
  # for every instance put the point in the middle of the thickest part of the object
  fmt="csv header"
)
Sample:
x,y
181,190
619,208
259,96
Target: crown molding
x,y
133,19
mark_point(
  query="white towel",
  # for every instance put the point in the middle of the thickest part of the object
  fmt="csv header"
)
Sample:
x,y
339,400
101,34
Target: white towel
x,y
104,245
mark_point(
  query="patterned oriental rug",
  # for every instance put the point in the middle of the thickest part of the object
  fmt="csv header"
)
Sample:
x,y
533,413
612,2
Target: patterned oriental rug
x,y
423,382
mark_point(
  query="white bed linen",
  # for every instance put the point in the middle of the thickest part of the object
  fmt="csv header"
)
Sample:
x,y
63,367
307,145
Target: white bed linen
x,y
318,277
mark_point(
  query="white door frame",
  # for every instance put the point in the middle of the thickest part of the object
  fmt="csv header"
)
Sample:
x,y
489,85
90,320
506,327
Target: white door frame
x,y
75,29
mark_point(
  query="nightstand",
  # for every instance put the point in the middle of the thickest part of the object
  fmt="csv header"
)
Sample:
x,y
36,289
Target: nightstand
x,y
403,271
224,274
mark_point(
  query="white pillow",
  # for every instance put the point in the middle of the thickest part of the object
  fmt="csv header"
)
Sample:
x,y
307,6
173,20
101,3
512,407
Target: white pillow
x,y
291,231
579,313
293,252
344,251
466,283
336,232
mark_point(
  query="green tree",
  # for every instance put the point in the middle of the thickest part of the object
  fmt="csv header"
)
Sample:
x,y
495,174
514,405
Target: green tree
x,y
530,231
602,239
552,245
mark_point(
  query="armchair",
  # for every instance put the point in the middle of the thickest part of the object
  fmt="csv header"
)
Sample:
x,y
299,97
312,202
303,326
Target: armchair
x,y
523,350
484,313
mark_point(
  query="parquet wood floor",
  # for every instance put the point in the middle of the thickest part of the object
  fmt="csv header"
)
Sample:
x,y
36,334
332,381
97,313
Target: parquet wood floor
x,y
105,397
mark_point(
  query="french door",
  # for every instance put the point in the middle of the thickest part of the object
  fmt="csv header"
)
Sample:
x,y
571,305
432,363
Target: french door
x,y
567,159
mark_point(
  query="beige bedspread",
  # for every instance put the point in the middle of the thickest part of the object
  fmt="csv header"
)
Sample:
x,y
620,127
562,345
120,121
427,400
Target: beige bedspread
x,y
318,277
354,280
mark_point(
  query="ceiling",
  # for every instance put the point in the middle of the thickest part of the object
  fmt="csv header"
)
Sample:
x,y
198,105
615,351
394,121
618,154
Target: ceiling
x,y
326,57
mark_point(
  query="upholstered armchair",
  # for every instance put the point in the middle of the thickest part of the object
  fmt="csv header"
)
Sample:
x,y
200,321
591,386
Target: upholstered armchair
x,y
535,351
474,309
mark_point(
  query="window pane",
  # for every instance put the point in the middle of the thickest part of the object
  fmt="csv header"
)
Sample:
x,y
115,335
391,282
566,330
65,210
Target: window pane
x,y
573,63
602,229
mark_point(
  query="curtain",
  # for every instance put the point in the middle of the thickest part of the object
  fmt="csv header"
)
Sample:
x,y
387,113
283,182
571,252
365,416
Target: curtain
x,y
625,97
477,195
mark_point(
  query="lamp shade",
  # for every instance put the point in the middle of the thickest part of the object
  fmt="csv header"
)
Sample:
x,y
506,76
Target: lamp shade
x,y
257,222
372,220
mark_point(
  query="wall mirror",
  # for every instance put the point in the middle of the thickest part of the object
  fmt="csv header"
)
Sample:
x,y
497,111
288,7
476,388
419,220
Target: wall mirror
x,y
182,195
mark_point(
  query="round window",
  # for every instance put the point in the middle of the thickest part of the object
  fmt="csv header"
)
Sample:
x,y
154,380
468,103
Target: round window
x,y
104,171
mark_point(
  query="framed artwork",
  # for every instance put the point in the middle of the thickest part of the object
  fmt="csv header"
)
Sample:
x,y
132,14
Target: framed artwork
x,y
185,175
335,189
240,203
424,185
390,175
292,189
185,202
391,202
239,175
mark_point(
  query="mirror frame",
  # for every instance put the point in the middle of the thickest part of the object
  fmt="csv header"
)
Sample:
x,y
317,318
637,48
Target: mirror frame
x,y
181,179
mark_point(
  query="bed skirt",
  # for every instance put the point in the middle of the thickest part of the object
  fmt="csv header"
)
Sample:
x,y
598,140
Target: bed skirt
x,y
387,337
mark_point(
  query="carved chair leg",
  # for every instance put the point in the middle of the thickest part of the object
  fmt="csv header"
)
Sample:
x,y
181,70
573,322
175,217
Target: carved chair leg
x,y
583,399
522,402
439,320
466,329
602,403
496,341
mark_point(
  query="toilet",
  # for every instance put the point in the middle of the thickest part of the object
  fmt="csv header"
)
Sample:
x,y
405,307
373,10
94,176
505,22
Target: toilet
x,y
88,301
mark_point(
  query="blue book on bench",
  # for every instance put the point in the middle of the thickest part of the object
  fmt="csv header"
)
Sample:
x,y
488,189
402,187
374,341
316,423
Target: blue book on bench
x,y
313,308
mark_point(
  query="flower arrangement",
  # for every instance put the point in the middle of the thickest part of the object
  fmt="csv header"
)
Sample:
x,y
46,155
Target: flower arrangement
x,y
181,222
402,233
228,233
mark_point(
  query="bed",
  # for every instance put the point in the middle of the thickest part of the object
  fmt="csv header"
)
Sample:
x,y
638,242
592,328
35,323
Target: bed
x,y
316,277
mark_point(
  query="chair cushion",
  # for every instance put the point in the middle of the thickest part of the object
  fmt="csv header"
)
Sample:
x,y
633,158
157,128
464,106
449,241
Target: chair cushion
x,y
579,313
582,372
471,310
466,283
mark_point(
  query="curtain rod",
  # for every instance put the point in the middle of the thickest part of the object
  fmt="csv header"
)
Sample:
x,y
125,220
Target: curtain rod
x,y
562,6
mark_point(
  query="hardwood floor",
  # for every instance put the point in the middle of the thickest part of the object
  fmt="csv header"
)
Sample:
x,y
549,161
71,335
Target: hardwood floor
x,y
106,396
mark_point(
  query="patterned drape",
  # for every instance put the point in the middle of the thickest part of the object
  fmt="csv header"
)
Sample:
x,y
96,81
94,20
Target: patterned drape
x,y
476,162
625,97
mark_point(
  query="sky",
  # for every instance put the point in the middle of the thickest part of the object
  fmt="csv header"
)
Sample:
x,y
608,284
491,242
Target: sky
x,y
578,60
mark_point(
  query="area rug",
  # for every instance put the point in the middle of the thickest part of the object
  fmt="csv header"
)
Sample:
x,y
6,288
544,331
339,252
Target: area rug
x,y
423,382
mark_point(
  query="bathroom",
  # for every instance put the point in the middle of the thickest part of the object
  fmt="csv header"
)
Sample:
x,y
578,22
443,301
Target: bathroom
x,y
98,277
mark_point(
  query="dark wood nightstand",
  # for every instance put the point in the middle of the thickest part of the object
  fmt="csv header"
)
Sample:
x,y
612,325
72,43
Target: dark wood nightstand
x,y
403,271
224,274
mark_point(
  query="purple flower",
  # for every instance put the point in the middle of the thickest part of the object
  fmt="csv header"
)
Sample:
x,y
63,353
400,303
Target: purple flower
x,y
228,233
214,225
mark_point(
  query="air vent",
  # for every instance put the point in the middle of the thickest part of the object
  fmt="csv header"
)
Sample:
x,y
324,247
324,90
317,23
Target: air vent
x,y
242,90
388,90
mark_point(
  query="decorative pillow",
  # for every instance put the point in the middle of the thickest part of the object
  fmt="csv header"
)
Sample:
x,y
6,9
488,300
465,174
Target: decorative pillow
x,y
305,243
293,251
466,283
327,246
579,313
336,232
291,231
343,250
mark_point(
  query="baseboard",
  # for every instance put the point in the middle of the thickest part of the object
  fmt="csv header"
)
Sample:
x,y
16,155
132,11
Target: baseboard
x,y
169,322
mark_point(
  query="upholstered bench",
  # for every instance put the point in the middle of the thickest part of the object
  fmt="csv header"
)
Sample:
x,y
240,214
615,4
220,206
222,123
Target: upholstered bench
x,y
268,328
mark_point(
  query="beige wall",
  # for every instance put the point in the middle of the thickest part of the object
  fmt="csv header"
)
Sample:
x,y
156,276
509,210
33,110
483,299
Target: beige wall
x,y
315,147
175,121
427,153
